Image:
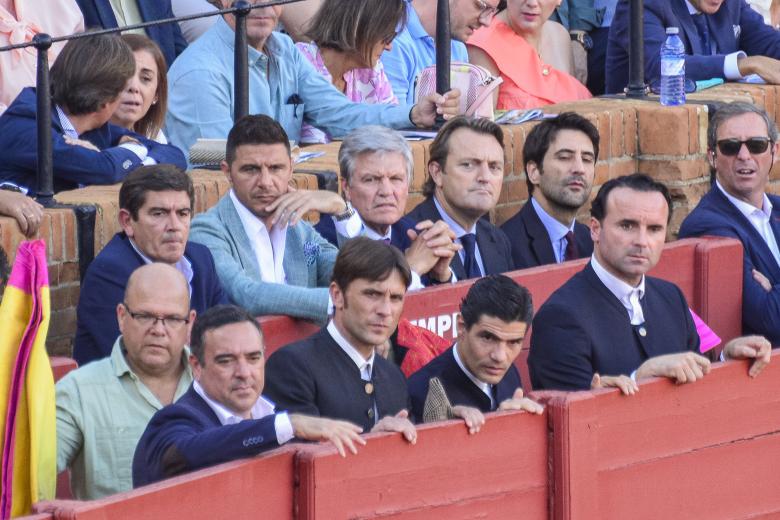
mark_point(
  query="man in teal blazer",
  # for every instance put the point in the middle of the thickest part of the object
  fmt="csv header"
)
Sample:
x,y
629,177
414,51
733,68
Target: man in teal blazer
x,y
269,261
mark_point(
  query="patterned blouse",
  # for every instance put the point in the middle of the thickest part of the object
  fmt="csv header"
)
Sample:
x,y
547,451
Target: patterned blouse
x,y
363,86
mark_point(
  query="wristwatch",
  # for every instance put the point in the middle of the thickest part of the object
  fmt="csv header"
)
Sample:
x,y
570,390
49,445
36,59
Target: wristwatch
x,y
583,38
346,215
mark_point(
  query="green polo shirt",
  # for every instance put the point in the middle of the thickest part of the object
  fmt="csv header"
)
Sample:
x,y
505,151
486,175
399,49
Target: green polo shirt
x,y
102,411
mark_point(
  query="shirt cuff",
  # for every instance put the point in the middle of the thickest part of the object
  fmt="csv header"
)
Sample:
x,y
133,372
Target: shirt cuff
x,y
283,427
633,376
350,227
137,148
730,67
416,284
149,160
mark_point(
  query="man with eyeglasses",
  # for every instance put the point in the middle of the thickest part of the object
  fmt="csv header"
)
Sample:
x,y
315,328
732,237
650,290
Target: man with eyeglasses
x,y
414,48
103,407
742,144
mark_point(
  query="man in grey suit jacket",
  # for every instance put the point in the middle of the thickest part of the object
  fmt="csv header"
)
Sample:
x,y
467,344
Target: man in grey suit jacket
x,y
268,260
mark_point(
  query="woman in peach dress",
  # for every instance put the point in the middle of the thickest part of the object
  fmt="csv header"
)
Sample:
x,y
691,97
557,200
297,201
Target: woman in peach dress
x,y
530,53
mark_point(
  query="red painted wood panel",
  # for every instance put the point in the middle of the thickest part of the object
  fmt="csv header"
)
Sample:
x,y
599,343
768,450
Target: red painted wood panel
x,y
61,366
501,472
258,487
704,450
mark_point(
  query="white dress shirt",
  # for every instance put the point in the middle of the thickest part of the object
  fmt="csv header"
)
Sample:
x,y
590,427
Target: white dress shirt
x,y
555,231
267,246
459,232
627,295
364,365
760,218
486,388
354,227
730,67
262,408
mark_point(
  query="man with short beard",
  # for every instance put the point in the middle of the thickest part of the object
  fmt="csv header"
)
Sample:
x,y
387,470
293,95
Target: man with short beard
x,y
559,156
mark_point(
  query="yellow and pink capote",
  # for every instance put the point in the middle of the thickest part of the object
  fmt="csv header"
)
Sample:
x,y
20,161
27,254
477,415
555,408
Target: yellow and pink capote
x,y
27,410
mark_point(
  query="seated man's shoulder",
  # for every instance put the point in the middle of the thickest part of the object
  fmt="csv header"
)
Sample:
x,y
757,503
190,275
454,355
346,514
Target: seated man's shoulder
x,y
433,369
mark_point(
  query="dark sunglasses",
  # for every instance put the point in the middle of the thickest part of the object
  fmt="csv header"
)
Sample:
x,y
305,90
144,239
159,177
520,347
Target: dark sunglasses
x,y
755,145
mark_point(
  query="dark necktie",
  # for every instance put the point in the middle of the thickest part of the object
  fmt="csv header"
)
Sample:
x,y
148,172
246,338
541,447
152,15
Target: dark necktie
x,y
469,243
494,396
700,20
572,252
386,241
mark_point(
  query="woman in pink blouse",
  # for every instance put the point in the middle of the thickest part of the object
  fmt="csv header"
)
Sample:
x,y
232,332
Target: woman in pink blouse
x,y
20,21
347,40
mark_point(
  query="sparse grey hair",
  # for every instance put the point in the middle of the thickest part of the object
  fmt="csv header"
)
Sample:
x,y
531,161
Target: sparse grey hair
x,y
728,110
373,139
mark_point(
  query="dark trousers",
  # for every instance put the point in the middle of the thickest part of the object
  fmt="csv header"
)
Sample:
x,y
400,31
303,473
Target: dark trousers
x,y
597,57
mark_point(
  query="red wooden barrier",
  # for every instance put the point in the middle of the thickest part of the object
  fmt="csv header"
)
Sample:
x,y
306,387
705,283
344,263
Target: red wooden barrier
x,y
501,472
61,366
704,450
259,487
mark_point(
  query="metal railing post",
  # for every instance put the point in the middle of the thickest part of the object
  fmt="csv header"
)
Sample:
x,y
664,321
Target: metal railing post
x,y
45,166
241,62
636,51
443,48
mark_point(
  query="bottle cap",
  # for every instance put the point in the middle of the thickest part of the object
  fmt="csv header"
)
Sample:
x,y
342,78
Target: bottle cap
x,y
672,30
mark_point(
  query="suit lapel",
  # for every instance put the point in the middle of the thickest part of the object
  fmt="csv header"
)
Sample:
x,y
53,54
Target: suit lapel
x,y
486,240
105,13
538,239
234,227
688,29
295,270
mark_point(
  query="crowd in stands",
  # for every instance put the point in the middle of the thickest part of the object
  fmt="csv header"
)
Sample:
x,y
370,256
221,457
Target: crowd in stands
x,y
173,373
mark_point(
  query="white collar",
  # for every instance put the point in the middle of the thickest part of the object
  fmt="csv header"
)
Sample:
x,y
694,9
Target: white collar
x,y
184,266
485,387
454,226
691,8
67,127
252,224
351,351
262,407
746,208
616,286
373,235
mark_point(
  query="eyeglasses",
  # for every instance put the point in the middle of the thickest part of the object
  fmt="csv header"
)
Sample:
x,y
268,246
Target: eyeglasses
x,y
150,320
755,145
486,11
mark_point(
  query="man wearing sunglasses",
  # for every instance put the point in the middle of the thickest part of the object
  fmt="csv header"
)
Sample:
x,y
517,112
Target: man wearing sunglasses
x,y
104,406
414,48
742,145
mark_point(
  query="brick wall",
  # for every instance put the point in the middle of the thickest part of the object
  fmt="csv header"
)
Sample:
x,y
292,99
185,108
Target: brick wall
x,y
667,142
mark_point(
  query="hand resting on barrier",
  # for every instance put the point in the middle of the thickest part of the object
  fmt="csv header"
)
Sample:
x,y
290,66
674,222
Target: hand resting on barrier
x,y
399,423
473,418
683,367
344,435
626,385
757,348
518,402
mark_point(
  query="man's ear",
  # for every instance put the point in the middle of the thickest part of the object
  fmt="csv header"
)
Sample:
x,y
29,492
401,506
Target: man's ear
x,y
460,325
125,220
435,171
711,158
225,167
595,229
336,296
533,172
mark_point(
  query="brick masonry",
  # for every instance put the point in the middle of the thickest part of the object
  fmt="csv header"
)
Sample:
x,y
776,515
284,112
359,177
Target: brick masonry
x,y
668,143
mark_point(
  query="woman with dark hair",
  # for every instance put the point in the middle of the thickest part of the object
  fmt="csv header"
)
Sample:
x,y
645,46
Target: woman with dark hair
x,y
347,40
145,99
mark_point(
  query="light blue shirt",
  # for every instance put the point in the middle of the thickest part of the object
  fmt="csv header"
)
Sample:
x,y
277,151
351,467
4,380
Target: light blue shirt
x,y
413,50
201,100
459,232
555,231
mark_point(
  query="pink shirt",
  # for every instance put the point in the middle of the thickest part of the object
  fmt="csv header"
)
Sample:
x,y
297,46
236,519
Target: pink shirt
x,y
363,86
17,68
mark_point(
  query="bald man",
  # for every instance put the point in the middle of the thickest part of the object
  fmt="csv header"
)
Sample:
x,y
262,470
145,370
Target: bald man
x,y
104,406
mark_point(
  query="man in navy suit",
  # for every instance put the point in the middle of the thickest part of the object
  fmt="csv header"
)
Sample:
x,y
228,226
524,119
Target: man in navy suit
x,y
723,39
337,372
742,143
465,175
559,157
87,79
479,369
610,320
155,210
107,15
376,167
223,415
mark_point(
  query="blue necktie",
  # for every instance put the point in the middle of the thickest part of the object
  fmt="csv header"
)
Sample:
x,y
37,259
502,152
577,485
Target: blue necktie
x,y
470,265
700,20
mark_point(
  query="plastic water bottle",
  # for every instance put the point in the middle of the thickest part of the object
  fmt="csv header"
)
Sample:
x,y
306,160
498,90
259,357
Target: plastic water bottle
x,y
672,69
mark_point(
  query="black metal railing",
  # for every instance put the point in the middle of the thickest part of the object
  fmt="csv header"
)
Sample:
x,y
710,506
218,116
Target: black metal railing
x,y
241,9
43,42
